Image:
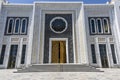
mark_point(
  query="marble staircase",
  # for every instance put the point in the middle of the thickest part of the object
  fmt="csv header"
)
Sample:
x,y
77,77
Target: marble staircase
x,y
59,68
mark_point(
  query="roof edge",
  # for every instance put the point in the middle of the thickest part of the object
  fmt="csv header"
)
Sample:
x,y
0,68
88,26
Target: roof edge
x,y
58,1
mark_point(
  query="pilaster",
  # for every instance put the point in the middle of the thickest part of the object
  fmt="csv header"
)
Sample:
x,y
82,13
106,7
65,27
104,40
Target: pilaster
x,y
7,53
19,54
109,54
97,52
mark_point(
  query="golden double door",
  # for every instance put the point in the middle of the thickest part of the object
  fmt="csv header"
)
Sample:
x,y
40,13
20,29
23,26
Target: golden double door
x,y
58,52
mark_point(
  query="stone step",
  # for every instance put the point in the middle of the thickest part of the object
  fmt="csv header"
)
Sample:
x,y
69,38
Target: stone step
x,y
59,68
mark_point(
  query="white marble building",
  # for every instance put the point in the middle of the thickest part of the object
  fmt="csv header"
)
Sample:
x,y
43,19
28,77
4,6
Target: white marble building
x,y
59,33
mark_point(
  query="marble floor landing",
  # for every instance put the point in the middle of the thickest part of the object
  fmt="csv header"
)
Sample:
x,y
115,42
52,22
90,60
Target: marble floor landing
x,y
108,74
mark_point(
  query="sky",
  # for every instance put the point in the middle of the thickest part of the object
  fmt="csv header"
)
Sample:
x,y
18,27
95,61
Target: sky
x,y
85,1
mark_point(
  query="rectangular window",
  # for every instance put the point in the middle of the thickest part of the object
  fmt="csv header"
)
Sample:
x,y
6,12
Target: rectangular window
x,y
93,53
2,54
12,56
23,54
103,55
113,53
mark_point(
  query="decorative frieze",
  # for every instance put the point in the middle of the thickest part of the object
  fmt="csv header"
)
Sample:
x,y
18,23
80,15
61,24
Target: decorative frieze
x,y
24,39
101,40
111,40
14,39
92,40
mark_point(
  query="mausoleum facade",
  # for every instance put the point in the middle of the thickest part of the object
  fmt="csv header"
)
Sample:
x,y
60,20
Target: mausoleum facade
x,y
59,33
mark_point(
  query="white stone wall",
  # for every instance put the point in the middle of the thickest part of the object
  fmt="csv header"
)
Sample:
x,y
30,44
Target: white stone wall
x,y
101,10
15,10
117,25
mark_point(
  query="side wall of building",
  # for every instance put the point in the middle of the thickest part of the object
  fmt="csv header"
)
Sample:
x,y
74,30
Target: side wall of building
x,y
101,11
18,11
117,25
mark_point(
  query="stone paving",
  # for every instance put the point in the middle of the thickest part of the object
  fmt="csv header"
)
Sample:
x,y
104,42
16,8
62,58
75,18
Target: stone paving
x,y
108,74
